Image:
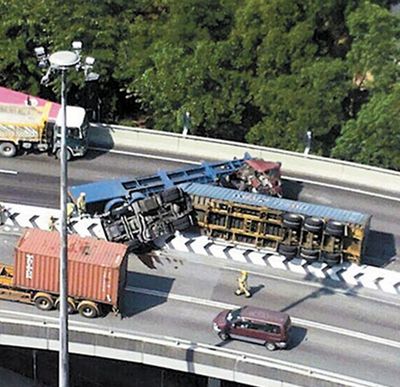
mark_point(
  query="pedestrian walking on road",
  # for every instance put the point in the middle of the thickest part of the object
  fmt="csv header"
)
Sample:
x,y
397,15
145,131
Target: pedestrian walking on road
x,y
81,203
242,284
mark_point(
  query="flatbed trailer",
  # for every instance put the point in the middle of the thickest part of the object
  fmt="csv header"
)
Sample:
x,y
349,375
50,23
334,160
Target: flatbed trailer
x,y
292,228
103,195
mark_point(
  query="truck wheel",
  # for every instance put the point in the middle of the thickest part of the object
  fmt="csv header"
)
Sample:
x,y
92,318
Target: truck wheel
x,y
287,251
309,255
292,221
43,301
313,224
335,228
8,149
58,154
71,305
332,258
88,309
171,195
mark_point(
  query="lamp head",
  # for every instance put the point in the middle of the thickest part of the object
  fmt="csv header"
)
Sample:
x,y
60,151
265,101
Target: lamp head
x,y
89,61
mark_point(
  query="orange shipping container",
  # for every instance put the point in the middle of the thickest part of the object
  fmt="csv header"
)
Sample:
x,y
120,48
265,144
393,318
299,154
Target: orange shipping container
x,y
96,268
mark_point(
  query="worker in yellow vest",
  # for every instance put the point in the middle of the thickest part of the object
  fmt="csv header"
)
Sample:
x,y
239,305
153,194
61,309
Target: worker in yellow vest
x,y
243,287
70,211
81,203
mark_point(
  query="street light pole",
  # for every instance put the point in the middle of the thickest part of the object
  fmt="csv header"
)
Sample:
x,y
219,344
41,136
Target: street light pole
x,y
63,367
61,62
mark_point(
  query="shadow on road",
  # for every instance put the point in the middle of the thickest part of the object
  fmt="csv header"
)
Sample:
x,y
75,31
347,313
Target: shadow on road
x,y
135,301
291,189
380,249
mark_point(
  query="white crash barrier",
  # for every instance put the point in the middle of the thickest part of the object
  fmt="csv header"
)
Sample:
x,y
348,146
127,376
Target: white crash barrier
x,y
345,173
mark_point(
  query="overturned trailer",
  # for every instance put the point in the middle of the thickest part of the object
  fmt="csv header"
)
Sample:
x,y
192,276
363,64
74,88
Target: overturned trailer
x,y
292,228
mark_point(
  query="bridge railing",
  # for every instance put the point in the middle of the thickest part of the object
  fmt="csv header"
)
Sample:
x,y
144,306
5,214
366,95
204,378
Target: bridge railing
x,y
167,352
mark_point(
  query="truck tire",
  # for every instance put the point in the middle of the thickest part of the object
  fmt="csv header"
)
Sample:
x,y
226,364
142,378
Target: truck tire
x,y
313,224
309,255
8,149
292,221
88,309
182,223
58,154
287,251
171,195
71,305
332,258
335,228
43,301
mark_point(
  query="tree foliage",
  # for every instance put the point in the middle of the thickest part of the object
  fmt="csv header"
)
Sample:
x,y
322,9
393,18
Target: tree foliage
x,y
260,71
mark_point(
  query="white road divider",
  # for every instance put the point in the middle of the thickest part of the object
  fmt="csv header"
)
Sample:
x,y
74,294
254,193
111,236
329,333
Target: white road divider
x,y
21,216
350,274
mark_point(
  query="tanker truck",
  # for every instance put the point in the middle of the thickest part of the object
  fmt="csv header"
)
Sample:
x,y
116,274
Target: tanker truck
x,y
97,271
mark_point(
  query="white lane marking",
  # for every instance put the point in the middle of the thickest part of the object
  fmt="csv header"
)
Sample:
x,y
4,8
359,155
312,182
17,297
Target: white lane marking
x,y
147,156
9,172
156,157
205,348
356,190
302,322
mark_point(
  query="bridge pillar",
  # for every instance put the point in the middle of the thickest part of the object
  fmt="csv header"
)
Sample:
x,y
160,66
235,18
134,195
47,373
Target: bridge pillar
x,y
212,382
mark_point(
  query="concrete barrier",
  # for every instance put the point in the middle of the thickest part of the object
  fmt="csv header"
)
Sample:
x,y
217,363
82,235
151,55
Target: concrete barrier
x,y
169,352
322,168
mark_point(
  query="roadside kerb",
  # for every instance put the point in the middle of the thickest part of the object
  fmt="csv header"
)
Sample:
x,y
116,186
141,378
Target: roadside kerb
x,y
109,136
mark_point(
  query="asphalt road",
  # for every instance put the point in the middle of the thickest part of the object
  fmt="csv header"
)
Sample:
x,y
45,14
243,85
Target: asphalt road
x,y
348,333
37,183
351,333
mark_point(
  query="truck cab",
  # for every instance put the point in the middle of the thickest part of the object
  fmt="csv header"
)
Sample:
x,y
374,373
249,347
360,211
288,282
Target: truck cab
x,y
77,132
256,175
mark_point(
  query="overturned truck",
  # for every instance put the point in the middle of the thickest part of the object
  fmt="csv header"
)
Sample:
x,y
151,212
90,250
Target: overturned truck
x,y
140,221
313,232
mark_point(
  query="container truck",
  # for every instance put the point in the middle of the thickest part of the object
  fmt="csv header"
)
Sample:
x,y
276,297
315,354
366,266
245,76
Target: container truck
x,y
97,271
32,124
292,228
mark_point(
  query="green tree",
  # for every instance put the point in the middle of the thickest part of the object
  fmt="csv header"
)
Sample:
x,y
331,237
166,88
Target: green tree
x,y
372,134
374,137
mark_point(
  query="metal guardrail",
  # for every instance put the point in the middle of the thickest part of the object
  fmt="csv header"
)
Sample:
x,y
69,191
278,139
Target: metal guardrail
x,y
347,173
170,352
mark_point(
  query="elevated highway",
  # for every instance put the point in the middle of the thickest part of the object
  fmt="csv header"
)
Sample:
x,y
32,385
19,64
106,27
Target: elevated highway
x,y
351,333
